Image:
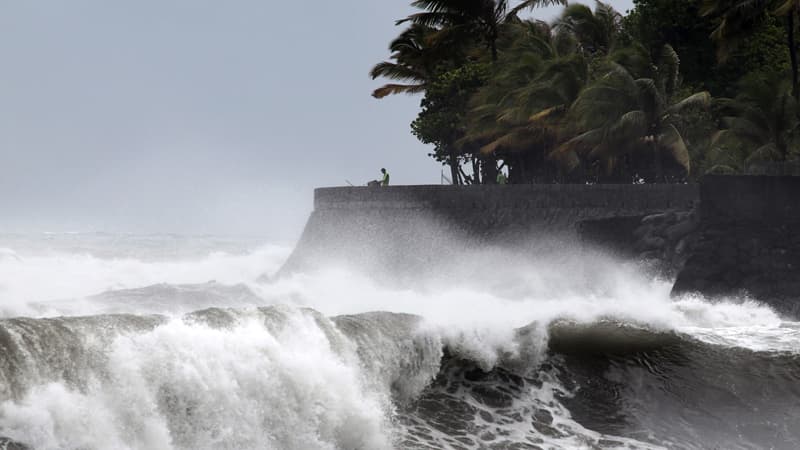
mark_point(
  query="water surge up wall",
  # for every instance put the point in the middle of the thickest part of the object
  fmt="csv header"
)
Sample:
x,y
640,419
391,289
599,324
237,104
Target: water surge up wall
x,y
401,227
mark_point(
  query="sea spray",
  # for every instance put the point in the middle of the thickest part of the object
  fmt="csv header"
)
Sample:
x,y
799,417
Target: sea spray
x,y
495,350
257,382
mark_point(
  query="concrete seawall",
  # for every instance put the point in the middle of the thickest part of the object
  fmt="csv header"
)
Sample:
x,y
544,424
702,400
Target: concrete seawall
x,y
748,241
743,231
405,226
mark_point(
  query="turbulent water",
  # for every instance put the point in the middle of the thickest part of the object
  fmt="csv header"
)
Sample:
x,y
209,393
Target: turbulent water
x,y
171,342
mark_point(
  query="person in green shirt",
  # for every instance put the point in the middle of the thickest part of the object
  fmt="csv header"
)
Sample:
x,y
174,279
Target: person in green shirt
x,y
385,178
501,178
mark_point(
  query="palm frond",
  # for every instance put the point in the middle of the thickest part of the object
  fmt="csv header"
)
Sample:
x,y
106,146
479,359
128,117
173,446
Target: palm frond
x,y
530,4
629,127
390,89
582,142
699,100
671,140
767,152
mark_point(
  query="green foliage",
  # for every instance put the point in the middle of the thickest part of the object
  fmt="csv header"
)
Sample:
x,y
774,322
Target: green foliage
x,y
654,23
597,31
763,120
619,115
469,18
441,120
599,96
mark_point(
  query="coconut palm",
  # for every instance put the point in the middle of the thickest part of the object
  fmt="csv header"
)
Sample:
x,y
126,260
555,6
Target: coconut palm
x,y
517,114
597,31
468,17
619,115
414,62
762,120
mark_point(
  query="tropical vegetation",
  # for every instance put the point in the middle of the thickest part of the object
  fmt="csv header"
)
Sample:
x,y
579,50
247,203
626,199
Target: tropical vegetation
x,y
667,92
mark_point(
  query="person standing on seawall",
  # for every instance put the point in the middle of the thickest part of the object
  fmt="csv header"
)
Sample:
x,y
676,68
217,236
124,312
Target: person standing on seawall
x,y
385,178
501,177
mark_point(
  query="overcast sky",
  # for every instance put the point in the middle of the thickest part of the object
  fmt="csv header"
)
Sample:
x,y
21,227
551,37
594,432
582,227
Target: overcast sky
x,y
195,116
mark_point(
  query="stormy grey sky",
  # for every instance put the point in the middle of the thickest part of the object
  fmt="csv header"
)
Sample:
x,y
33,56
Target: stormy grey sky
x,y
195,116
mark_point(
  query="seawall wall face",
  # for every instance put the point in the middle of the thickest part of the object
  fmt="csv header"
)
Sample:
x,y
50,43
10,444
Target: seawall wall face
x,y
408,226
748,241
607,197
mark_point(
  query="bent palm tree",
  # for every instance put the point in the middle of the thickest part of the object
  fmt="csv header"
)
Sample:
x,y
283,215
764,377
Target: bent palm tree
x,y
518,114
596,31
620,115
763,118
484,17
414,61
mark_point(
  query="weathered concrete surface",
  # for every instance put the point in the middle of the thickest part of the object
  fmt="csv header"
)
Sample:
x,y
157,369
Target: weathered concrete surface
x,y
407,227
748,241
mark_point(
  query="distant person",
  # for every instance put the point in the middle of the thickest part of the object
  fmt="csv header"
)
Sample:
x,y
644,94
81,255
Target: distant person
x,y
385,178
501,178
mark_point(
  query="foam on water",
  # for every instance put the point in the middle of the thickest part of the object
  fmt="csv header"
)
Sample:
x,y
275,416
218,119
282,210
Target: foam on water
x,y
327,380
34,279
186,384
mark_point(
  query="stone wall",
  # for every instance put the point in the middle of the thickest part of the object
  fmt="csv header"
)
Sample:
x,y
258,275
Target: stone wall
x,y
742,236
407,226
610,198
748,241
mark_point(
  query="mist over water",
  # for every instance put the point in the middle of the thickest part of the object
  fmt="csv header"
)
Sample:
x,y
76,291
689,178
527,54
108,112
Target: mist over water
x,y
176,342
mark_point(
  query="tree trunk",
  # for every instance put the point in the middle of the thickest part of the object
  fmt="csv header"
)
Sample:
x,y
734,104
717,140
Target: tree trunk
x,y
792,51
659,169
454,167
492,38
476,170
465,177
489,169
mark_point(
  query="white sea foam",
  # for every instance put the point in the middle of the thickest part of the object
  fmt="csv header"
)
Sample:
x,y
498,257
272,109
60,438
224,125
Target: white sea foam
x,y
46,283
188,385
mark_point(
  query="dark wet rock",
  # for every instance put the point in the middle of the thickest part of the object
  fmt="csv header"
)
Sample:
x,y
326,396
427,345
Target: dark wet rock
x,y
680,229
662,240
657,219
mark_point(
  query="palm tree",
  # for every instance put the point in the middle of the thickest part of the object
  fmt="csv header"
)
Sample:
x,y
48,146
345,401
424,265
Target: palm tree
x,y
763,118
518,114
466,17
597,31
620,115
740,18
414,61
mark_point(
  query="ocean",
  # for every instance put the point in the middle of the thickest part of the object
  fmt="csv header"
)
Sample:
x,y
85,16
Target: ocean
x,y
124,341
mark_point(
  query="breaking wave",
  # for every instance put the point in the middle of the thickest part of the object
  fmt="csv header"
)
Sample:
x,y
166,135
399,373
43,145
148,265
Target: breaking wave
x,y
580,351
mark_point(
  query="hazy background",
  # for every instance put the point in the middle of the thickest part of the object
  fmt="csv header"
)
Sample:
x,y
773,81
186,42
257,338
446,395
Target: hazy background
x,y
196,116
